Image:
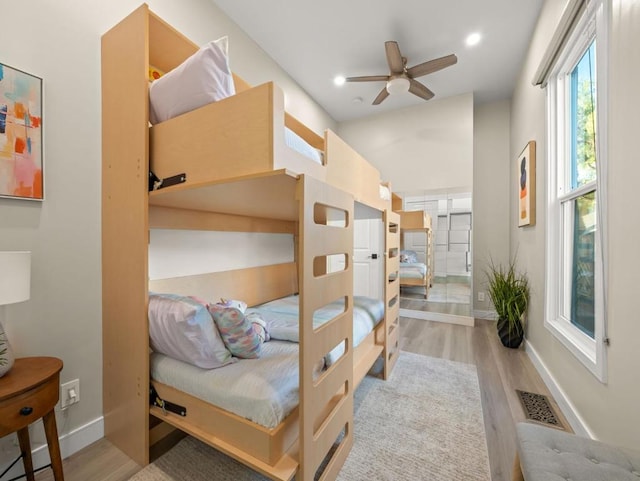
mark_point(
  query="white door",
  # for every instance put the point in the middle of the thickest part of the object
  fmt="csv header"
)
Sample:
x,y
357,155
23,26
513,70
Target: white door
x,y
368,258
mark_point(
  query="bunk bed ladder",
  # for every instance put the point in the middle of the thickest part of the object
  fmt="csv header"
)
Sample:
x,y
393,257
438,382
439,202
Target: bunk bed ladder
x,y
392,292
326,403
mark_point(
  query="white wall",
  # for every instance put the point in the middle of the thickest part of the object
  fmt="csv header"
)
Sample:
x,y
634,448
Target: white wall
x,y
491,166
60,42
428,147
608,411
200,251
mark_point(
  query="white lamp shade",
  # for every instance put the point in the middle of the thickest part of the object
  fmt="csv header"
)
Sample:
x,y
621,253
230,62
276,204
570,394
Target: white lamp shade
x,y
15,276
398,85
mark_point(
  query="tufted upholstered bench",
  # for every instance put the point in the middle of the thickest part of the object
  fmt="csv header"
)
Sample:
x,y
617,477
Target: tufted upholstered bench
x,y
547,454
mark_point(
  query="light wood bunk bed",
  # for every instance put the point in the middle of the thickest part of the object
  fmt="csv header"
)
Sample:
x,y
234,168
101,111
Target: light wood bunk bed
x,y
418,221
277,190
249,139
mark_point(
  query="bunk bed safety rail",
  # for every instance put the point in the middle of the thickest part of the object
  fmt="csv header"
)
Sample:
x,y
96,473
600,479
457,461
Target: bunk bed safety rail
x,y
349,171
240,135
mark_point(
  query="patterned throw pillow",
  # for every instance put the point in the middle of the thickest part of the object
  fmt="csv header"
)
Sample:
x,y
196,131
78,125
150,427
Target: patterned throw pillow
x,y
236,331
240,305
259,326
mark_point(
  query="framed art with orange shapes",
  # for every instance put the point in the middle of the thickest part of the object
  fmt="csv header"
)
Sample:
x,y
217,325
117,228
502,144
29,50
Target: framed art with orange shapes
x,y
21,160
526,173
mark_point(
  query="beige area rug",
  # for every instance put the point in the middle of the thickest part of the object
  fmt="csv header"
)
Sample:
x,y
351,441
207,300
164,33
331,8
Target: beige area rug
x,y
424,423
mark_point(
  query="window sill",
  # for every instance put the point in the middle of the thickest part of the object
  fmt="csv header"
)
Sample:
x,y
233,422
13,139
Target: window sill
x,y
580,345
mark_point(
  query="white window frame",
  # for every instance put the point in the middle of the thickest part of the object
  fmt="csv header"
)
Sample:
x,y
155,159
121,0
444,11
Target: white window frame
x,y
591,352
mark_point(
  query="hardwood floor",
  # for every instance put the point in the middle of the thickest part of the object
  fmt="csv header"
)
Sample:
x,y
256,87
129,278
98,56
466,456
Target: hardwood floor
x,y
500,372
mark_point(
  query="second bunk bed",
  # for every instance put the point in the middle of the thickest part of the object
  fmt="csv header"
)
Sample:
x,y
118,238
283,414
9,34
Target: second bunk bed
x,y
241,176
416,265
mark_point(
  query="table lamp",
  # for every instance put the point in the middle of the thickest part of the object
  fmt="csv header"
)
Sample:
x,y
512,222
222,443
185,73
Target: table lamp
x,y
15,286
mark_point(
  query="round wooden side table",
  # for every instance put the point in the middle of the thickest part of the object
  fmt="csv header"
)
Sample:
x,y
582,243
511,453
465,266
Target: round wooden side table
x,y
28,392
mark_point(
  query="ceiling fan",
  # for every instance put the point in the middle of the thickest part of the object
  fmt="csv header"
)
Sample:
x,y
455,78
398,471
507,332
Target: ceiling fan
x,y
402,79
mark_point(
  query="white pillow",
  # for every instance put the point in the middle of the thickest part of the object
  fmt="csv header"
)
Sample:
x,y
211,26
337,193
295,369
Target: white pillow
x,y
201,79
182,328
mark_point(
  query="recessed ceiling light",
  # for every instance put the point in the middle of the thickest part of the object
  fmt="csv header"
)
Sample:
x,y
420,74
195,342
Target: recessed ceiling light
x,y
339,80
357,100
473,39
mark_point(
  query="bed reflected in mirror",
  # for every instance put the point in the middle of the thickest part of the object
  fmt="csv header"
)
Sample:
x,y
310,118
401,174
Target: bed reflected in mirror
x,y
445,251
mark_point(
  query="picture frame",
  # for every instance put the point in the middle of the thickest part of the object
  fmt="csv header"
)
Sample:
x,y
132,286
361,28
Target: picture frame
x,y
21,138
526,185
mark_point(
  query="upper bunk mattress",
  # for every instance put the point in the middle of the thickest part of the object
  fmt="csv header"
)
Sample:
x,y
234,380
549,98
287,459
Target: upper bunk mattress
x,y
203,78
300,145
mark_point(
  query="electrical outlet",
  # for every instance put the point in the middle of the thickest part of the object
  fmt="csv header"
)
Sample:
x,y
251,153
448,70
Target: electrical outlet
x,y
481,296
69,393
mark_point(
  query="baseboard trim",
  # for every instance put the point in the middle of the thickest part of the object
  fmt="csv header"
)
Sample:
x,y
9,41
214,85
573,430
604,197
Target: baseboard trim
x,y
70,443
570,412
438,317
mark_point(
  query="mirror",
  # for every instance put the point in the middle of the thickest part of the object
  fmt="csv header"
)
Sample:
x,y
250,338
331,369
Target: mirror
x,y
447,253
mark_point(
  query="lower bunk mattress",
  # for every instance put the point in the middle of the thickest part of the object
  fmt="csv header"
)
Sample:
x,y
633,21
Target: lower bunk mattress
x,y
264,390
281,316
413,270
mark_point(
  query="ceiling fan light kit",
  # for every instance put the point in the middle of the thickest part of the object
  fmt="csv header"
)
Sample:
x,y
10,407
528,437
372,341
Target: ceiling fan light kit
x,y
398,85
402,79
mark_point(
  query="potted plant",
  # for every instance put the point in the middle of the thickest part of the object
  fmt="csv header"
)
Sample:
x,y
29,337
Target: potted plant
x,y
509,293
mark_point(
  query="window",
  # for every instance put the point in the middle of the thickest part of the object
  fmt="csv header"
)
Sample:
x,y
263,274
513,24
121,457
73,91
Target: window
x,y
576,105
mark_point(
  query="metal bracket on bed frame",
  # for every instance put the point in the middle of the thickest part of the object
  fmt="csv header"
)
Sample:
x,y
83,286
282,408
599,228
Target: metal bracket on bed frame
x,y
156,182
156,400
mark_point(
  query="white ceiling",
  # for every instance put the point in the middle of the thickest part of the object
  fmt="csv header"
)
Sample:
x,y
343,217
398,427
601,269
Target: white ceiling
x,y
313,41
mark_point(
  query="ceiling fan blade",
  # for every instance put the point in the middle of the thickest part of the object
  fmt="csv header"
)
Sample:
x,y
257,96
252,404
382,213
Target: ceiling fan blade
x,y
394,57
368,78
432,66
416,88
381,96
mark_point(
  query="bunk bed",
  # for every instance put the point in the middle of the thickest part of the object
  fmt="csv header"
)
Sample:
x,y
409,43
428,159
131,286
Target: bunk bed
x,y
247,133
413,271
248,180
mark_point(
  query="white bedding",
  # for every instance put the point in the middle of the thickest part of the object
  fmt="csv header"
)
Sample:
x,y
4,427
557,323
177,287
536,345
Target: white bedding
x,y
413,270
300,145
263,390
281,316
385,192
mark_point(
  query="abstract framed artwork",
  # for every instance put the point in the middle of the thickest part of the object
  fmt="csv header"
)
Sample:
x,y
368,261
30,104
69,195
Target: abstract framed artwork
x,y
21,160
526,172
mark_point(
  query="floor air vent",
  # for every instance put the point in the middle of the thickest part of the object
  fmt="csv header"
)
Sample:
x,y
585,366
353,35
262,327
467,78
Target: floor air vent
x,y
537,408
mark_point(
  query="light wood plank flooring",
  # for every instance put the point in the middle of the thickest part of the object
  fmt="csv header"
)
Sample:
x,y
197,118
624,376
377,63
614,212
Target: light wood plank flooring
x,y
500,372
